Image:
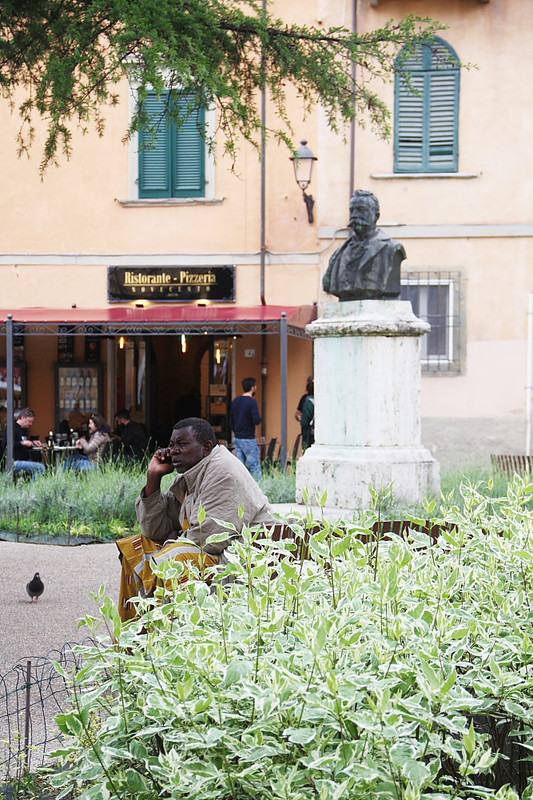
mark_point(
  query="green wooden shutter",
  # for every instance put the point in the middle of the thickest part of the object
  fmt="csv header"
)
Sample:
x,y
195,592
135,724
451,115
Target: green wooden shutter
x,y
442,121
427,110
409,128
154,150
189,154
172,162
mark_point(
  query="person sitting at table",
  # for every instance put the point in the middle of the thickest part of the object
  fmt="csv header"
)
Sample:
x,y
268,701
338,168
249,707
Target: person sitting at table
x,y
132,437
92,450
25,457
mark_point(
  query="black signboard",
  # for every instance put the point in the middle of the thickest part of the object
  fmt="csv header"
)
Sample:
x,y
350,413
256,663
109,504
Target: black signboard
x,y
171,284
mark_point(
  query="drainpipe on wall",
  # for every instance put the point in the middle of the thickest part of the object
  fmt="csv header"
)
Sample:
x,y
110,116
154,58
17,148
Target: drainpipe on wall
x,y
262,249
352,126
263,244
10,421
284,389
528,373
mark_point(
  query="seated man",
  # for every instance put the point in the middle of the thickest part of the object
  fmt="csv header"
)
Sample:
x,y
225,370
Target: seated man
x,y
25,457
133,436
209,476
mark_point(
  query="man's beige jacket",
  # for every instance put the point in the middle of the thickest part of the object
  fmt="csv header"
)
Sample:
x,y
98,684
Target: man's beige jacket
x,y
219,483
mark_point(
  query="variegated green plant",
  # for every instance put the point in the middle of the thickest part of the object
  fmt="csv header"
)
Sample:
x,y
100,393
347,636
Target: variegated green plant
x,y
392,674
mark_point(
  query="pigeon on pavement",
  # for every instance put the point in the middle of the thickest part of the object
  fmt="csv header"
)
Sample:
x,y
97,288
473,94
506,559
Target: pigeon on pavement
x,y
35,587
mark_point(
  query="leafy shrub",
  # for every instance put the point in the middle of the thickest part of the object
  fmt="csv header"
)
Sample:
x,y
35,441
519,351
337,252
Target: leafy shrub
x,y
392,672
278,485
102,502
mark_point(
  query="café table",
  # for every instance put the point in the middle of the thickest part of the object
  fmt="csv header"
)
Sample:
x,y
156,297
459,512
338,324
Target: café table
x,y
56,454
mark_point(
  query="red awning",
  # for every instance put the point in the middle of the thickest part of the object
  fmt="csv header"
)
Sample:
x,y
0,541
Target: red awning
x,y
160,316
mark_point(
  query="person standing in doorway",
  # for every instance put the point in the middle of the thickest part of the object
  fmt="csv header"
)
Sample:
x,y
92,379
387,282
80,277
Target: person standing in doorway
x,y
243,417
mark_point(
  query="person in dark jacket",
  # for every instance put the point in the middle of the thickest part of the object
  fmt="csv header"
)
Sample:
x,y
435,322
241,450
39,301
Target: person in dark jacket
x,y
243,417
25,457
303,398
307,420
133,436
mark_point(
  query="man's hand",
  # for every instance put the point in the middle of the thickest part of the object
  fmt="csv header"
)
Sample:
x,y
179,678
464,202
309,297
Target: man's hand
x,y
159,465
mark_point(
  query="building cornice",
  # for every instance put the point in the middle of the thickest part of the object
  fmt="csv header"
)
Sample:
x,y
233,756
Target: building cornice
x,y
154,259
490,230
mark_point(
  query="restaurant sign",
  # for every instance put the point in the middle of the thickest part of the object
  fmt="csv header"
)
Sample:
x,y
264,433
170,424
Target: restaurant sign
x,y
171,284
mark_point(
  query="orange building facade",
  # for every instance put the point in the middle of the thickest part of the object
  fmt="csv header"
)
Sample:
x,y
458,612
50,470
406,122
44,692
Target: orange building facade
x,y
99,246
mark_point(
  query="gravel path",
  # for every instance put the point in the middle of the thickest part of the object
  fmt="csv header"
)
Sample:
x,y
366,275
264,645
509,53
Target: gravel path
x,y
69,574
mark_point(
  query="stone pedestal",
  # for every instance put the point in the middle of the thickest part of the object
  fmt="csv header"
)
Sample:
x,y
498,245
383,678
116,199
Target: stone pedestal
x,y
367,407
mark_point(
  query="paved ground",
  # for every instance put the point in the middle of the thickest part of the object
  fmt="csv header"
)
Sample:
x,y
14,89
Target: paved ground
x,y
458,442
69,574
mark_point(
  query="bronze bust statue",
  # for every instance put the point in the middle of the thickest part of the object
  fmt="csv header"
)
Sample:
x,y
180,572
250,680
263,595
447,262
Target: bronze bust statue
x,y
367,265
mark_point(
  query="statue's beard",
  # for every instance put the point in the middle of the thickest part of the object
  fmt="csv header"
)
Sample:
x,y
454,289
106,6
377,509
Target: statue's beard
x,y
361,229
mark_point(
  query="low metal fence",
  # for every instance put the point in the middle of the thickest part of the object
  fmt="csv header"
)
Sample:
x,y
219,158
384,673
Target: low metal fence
x,y
32,693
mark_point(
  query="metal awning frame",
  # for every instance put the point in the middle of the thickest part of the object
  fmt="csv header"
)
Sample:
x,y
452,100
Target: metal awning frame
x,y
113,329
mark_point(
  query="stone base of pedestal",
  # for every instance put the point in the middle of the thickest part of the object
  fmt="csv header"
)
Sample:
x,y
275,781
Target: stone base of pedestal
x,y
349,473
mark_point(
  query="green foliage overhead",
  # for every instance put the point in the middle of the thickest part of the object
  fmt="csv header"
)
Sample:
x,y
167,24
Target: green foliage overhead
x,y
398,670
68,55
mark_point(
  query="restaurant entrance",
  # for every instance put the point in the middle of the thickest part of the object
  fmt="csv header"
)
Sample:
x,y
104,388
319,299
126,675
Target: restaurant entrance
x,y
162,379
209,348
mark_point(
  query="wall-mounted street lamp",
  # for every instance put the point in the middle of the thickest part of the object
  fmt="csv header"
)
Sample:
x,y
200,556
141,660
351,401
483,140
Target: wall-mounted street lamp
x,y
302,162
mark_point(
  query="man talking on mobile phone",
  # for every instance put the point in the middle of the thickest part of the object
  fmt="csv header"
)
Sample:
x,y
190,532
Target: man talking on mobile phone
x,y
210,477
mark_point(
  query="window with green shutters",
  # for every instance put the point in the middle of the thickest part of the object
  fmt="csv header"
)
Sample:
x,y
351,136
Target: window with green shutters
x,y
171,156
426,119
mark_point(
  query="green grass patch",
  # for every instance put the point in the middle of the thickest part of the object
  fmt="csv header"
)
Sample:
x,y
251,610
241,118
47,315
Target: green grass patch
x,y
100,504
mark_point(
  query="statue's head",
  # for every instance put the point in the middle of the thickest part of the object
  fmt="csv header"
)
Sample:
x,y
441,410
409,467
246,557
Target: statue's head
x,y
364,212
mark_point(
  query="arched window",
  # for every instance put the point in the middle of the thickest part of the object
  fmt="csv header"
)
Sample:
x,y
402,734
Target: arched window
x,y
426,119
